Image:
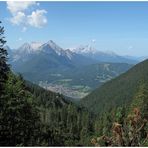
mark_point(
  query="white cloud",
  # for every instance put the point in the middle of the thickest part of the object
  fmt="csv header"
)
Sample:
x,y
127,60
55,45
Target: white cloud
x,y
16,6
21,17
37,18
18,19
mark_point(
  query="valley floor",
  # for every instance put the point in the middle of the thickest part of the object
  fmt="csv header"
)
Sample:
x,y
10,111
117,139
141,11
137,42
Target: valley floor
x,y
75,91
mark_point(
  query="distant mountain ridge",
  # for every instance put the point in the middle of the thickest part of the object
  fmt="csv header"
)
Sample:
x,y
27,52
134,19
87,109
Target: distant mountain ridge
x,y
29,50
87,52
100,56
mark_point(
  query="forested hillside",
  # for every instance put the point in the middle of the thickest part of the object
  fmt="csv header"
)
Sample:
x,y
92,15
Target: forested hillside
x,y
126,125
119,90
122,106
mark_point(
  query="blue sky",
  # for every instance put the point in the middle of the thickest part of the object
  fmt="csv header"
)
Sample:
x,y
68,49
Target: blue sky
x,y
121,27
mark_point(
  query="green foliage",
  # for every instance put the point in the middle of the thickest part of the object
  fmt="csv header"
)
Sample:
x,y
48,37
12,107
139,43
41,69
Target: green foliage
x,y
133,132
32,116
126,125
4,68
19,118
117,91
141,100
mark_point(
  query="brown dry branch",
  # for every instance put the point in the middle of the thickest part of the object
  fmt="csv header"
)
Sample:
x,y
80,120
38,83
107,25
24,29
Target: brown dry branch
x,y
128,134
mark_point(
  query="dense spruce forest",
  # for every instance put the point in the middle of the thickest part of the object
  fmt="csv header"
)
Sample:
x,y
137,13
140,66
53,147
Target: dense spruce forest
x,y
33,116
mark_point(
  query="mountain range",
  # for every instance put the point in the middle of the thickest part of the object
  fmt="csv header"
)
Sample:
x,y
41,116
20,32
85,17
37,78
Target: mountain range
x,y
100,56
50,52
73,72
83,55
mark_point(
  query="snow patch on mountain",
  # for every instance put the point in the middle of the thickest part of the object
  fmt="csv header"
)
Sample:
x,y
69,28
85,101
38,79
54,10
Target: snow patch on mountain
x,y
51,47
35,45
84,49
69,53
89,49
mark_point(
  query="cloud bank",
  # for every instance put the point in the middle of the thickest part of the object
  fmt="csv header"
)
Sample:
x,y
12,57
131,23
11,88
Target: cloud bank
x,y
17,6
37,18
20,16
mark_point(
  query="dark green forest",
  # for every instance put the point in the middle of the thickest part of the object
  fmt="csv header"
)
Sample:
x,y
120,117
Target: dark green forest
x,y
114,115
118,91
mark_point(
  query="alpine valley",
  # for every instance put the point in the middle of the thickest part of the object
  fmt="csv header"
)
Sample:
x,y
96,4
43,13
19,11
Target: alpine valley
x,y
72,72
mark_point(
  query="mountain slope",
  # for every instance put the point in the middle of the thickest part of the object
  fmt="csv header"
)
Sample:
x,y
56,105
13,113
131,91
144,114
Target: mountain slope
x,y
96,74
76,82
117,91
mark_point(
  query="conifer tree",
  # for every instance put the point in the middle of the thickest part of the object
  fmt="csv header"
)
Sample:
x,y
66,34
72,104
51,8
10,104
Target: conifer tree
x,y
4,68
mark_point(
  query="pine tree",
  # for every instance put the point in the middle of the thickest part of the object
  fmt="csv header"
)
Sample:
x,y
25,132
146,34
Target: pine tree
x,y
19,118
4,68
